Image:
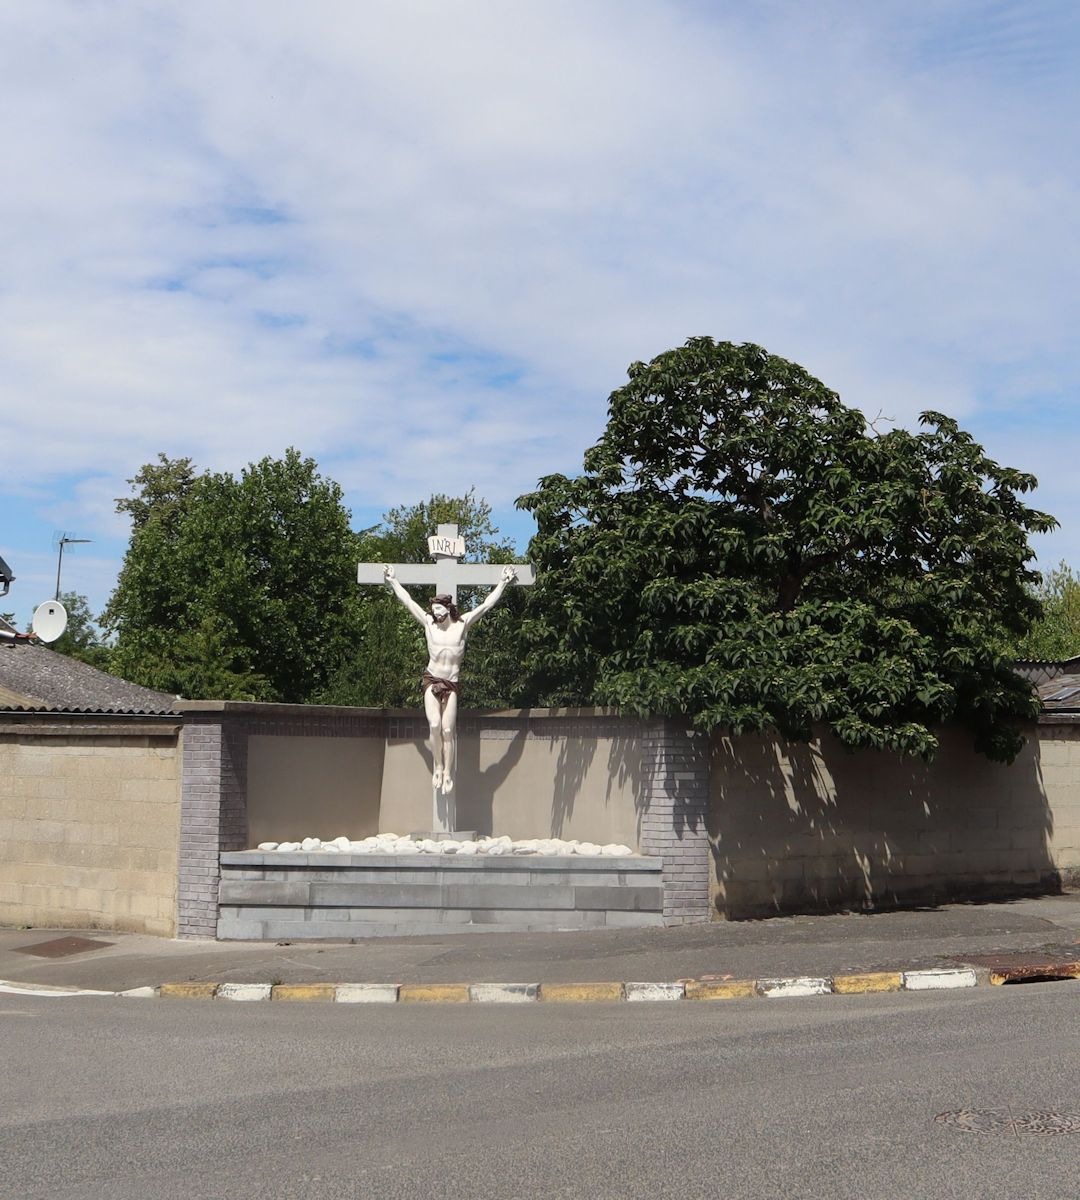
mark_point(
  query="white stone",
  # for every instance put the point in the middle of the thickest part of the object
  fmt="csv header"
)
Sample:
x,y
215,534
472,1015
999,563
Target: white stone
x,y
504,993
243,991
393,843
803,985
366,993
654,991
937,979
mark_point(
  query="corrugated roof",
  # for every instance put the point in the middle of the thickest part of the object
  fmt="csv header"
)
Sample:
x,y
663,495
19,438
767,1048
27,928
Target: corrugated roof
x,y
1061,694
1043,670
35,679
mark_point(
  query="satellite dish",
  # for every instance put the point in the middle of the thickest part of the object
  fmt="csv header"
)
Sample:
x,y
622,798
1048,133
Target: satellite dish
x,y
50,620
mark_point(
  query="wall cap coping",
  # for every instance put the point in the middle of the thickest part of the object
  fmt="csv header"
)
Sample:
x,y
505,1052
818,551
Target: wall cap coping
x,y
88,724
441,862
251,708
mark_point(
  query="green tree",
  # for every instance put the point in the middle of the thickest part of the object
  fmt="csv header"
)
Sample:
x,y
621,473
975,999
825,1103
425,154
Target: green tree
x,y
1056,634
236,588
82,639
742,550
384,667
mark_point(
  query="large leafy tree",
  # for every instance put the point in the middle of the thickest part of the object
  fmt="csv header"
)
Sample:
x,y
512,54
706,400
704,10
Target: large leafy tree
x,y
1056,634
235,588
743,551
383,668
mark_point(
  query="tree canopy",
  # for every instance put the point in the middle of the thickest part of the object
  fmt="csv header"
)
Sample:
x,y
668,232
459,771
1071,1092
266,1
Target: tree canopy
x,y
234,588
1055,634
82,639
742,550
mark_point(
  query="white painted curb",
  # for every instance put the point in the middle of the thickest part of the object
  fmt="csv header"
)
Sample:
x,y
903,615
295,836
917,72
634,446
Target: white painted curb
x,y
938,979
43,989
654,991
504,993
243,991
366,993
802,985
139,993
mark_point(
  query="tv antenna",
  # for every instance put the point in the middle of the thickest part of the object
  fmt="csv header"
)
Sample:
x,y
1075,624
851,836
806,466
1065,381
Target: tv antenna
x,y
61,540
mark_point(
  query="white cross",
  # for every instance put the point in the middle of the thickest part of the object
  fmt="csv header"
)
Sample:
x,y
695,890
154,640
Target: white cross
x,y
447,572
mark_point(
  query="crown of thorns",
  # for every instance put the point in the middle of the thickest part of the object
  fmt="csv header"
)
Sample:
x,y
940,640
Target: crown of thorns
x,y
448,604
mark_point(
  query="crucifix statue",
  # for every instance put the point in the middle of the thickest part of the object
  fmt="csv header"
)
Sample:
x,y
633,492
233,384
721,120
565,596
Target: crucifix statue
x,y
445,630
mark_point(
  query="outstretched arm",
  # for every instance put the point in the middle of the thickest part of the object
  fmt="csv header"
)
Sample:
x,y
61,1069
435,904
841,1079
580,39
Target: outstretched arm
x,y
492,598
415,610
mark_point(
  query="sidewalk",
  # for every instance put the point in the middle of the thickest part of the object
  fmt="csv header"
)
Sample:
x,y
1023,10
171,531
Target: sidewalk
x,y
822,946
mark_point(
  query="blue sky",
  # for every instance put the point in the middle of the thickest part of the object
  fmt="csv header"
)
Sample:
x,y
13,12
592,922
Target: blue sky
x,y
421,241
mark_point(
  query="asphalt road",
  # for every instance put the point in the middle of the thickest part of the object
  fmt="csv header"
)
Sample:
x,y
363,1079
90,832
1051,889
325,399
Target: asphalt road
x,y
826,1096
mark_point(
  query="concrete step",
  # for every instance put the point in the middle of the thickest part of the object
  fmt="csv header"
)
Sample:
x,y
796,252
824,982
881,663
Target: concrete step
x,y
347,896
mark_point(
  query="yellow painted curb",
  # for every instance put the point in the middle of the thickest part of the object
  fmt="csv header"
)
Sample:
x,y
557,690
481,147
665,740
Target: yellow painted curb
x,y
302,991
433,993
575,992
189,991
720,989
872,981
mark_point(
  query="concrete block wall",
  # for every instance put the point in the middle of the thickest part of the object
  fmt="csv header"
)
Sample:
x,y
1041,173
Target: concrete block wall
x,y
89,822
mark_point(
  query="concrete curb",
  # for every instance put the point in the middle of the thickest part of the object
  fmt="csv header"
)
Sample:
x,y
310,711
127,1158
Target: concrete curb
x,y
929,980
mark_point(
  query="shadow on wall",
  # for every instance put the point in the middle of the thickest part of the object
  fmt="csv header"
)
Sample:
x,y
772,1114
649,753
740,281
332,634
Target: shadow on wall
x,y
799,828
549,776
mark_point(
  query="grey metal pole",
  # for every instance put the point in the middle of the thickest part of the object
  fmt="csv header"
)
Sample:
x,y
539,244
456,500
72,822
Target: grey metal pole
x,y
64,541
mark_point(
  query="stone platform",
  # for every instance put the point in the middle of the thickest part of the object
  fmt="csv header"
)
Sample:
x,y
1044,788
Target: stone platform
x,y
270,896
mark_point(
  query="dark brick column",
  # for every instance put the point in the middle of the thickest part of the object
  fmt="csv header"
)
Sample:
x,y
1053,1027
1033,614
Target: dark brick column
x,y
213,814
673,826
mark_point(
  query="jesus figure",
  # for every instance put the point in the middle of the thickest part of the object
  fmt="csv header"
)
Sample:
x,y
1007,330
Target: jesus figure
x,y
445,631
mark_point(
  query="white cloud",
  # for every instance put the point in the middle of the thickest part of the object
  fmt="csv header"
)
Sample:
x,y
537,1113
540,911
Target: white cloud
x,y
421,241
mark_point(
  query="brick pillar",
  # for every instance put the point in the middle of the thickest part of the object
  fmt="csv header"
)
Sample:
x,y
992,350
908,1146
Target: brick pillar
x,y
673,826
213,815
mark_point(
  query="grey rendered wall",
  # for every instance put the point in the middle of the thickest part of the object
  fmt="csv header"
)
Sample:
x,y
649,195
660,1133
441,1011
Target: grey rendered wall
x,y
529,775
304,786
800,828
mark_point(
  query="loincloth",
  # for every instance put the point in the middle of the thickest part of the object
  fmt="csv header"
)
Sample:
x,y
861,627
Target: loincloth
x,y
443,688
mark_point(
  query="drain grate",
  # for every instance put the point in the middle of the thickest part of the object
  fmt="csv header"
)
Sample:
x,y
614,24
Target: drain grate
x,y
1002,1120
59,947
1046,965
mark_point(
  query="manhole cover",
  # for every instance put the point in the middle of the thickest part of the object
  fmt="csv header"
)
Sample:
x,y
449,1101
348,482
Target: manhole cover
x,y
1003,1120
59,947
